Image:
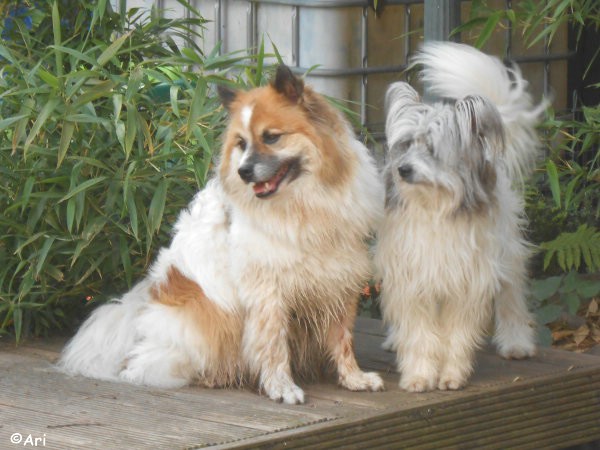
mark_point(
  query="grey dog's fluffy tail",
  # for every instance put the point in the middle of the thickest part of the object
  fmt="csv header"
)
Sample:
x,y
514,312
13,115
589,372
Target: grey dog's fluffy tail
x,y
454,71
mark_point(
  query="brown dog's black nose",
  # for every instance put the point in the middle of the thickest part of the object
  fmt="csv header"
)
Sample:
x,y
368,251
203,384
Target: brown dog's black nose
x,y
246,172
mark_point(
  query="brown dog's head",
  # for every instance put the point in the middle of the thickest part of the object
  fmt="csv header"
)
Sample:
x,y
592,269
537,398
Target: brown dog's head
x,y
281,137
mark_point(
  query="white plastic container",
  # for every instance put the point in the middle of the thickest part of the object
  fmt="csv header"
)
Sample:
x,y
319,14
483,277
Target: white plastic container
x,y
340,43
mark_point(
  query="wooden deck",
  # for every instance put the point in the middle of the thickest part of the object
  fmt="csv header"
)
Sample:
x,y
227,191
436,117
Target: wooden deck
x,y
551,401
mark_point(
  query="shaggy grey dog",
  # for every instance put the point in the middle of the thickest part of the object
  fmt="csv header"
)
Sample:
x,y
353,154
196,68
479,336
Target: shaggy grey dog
x,y
451,251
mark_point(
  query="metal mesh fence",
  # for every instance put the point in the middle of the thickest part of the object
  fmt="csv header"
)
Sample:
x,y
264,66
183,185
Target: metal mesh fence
x,y
352,52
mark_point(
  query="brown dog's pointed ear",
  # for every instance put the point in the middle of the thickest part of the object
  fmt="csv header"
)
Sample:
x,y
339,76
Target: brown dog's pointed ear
x,y
227,96
288,84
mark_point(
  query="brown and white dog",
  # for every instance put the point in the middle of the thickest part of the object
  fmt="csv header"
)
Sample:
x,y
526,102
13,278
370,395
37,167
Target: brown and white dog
x,y
262,276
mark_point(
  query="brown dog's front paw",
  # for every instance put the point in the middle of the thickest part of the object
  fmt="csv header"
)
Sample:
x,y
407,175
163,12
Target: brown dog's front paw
x,y
362,381
281,390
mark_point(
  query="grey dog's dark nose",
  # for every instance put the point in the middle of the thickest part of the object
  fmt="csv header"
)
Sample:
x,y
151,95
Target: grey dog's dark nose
x,y
406,172
246,172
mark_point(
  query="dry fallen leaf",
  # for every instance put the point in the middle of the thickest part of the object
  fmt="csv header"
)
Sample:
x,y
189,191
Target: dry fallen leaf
x,y
559,335
581,333
582,337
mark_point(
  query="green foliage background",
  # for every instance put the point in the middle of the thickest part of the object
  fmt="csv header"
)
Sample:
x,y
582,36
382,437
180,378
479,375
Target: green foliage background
x,y
108,128
106,132
563,198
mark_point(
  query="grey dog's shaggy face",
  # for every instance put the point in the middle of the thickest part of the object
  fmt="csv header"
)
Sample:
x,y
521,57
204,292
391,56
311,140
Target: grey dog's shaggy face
x,y
444,152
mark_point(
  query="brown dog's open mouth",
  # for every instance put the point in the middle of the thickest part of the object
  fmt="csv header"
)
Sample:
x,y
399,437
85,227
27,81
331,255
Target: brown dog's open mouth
x,y
267,188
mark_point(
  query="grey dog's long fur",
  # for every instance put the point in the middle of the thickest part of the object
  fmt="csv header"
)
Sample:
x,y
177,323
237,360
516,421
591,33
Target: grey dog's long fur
x,y
451,251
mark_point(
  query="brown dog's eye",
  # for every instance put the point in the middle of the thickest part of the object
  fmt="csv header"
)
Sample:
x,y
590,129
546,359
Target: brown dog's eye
x,y
241,143
270,138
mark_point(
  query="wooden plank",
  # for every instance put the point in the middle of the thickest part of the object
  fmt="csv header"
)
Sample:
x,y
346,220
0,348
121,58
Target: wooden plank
x,y
461,424
180,416
552,400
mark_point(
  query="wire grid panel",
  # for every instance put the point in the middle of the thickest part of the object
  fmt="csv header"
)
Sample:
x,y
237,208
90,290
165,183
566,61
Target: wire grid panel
x,y
353,53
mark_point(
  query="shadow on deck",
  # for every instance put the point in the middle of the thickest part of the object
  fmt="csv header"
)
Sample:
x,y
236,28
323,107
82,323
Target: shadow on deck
x,y
550,401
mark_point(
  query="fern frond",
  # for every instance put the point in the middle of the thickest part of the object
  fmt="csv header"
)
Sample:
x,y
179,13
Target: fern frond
x,y
571,249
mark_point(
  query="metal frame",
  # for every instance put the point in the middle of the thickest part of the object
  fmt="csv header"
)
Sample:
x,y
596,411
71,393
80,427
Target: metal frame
x,y
440,16
364,70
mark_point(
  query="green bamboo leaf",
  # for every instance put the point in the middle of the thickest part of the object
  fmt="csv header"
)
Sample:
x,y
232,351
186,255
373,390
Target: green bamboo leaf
x,y
511,16
192,56
81,245
489,27
83,187
131,128
277,54
37,212
196,107
112,49
548,31
71,204
21,126
96,91
569,191
117,106
79,208
6,54
26,195
588,141
120,133
5,123
26,284
94,265
79,56
199,135
44,114
157,207
125,260
91,162
17,317
173,96
147,136
65,140
469,25
133,217
87,118
92,228
134,83
48,78
56,30
43,254
554,182
260,58
30,240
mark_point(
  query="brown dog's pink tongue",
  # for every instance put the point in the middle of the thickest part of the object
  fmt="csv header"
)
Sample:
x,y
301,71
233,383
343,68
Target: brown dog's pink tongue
x,y
266,187
261,188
